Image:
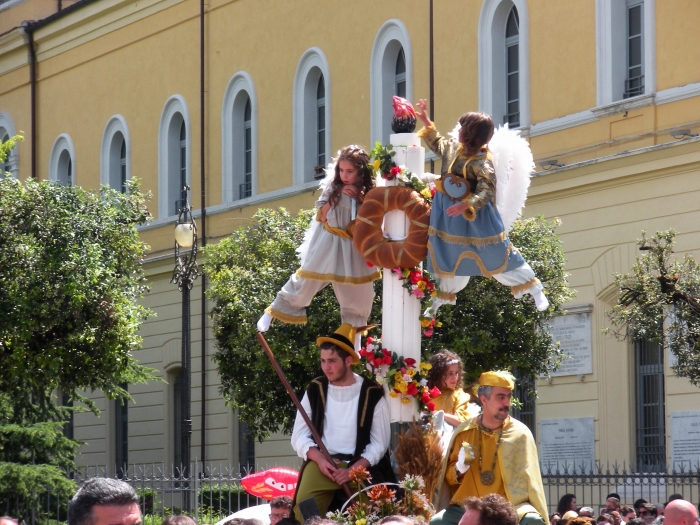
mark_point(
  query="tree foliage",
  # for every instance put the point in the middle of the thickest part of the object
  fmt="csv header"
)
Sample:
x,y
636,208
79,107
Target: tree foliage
x,y
659,301
487,327
70,279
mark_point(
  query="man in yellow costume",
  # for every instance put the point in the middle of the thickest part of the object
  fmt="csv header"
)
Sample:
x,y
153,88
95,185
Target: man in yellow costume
x,y
493,454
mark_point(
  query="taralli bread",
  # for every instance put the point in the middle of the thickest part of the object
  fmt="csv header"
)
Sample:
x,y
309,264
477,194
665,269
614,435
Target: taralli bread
x,y
368,235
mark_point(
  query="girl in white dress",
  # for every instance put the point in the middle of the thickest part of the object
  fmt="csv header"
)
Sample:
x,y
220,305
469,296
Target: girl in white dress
x,y
328,254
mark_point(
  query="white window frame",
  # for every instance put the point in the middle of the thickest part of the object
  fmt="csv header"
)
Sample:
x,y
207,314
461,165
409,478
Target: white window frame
x,y
232,111
492,67
611,50
12,159
312,64
174,105
62,143
115,124
391,37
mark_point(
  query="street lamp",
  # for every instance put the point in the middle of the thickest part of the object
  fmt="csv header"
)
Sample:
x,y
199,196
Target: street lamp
x,y
184,275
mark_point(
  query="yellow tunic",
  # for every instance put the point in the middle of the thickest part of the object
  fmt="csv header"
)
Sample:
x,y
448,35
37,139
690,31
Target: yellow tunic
x,y
516,476
453,402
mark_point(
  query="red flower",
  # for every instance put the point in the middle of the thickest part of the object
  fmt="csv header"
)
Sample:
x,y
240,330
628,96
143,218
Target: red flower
x,y
387,360
432,191
363,352
386,352
395,171
416,276
430,286
412,390
378,362
369,264
435,391
409,361
369,340
425,398
431,406
428,333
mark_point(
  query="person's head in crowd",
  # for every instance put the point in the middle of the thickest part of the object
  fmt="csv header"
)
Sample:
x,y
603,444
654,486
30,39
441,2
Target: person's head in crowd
x,y
397,519
233,521
627,513
489,510
647,512
586,512
104,501
680,512
280,507
288,521
554,518
581,520
660,508
638,504
179,519
446,371
637,521
569,515
673,497
605,518
250,521
612,503
613,495
7,520
566,503
617,519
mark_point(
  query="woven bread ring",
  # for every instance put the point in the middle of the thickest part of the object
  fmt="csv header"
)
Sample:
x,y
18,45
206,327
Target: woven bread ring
x,y
368,235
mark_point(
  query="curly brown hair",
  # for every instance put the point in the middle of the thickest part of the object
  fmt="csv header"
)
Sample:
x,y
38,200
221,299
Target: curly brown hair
x,y
359,158
476,131
493,509
441,361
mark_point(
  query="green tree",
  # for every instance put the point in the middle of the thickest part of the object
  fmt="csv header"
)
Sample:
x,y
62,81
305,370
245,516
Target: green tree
x,y
487,326
70,279
659,301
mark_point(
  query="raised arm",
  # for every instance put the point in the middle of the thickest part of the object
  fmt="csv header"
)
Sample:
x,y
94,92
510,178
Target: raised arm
x,y
429,134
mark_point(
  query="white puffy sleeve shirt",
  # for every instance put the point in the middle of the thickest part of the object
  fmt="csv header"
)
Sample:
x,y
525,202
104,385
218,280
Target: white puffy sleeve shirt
x,y
340,425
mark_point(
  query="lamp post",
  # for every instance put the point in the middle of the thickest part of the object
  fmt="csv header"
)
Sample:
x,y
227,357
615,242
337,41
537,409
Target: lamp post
x,y
184,275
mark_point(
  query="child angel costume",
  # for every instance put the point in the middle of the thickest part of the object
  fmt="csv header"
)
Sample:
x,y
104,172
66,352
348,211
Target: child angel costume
x,y
327,256
476,242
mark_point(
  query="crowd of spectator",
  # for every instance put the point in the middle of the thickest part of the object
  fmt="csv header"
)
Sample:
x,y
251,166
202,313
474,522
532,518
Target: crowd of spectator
x,y
676,511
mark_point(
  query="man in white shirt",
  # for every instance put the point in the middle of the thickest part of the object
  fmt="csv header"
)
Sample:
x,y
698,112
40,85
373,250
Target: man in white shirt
x,y
352,417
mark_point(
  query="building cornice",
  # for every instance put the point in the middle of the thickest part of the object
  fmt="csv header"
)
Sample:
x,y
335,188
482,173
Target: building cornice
x,y
13,52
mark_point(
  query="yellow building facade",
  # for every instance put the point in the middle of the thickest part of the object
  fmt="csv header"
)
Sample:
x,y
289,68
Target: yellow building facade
x,y
607,92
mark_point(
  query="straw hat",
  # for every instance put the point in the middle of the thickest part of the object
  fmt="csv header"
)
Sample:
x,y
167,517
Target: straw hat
x,y
344,338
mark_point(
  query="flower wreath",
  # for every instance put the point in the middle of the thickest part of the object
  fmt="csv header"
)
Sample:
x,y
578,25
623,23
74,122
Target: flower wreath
x,y
388,170
420,284
404,379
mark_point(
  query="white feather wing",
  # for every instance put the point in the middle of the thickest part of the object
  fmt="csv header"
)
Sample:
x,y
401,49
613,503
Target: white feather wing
x,y
303,248
512,159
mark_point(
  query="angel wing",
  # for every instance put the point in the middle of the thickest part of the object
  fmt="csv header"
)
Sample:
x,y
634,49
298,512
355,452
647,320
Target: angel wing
x,y
512,159
303,248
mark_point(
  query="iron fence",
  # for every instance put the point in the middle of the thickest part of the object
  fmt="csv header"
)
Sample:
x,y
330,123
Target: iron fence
x,y
214,491
592,484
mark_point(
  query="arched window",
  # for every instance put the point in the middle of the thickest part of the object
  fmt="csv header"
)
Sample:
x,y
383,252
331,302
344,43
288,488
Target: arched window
x,y
512,116
7,130
174,154
391,73
114,156
62,161
312,125
400,75
625,49
239,117
5,166
320,128
504,76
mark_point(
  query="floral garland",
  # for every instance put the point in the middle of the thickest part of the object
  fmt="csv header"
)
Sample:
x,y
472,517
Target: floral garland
x,y
388,170
420,284
405,380
378,501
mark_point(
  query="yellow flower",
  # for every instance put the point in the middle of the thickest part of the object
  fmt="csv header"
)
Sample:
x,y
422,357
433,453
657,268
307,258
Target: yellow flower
x,y
405,273
425,323
421,285
401,387
410,372
398,376
438,324
425,192
377,164
426,366
393,394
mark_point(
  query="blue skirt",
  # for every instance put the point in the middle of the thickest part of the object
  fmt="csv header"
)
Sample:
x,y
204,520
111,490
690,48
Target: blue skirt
x,y
459,247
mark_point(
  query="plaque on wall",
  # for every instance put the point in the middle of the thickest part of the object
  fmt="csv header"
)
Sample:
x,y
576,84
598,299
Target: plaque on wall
x,y
567,444
685,440
573,333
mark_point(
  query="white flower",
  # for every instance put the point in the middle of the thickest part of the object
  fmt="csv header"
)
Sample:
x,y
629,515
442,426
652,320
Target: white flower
x,y
423,382
380,379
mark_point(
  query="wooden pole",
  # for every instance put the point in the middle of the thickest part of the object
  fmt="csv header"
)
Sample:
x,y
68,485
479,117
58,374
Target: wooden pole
x,y
297,403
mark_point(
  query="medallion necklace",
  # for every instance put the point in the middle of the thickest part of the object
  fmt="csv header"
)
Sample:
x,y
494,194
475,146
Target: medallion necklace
x,y
487,476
